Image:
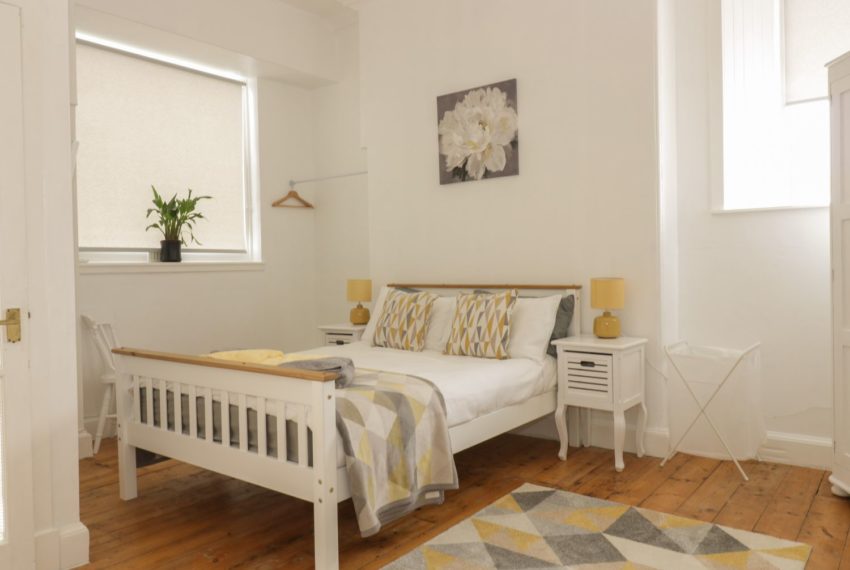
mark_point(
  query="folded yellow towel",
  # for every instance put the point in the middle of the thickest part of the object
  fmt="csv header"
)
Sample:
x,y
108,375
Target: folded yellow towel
x,y
262,356
301,356
253,356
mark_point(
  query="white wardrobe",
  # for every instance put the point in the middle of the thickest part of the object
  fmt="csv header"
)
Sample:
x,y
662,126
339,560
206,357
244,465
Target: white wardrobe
x,y
839,92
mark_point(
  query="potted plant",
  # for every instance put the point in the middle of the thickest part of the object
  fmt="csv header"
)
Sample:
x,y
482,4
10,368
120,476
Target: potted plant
x,y
175,216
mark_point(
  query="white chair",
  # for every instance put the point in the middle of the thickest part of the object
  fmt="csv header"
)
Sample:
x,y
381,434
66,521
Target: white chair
x,y
104,340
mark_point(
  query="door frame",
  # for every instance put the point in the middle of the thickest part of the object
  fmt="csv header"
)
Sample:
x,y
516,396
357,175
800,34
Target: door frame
x,y
60,539
839,86
17,547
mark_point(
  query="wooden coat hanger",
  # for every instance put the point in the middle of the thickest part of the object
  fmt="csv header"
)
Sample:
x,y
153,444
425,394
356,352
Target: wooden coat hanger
x,y
301,202
295,197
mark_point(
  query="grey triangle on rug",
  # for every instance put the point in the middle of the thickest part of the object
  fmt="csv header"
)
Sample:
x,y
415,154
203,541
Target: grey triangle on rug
x,y
539,527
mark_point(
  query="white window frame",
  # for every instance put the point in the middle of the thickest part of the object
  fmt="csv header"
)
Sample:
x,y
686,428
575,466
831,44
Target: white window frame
x,y
136,258
752,36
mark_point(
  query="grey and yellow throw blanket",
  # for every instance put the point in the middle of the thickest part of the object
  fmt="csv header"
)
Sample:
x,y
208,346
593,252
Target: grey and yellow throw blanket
x,y
397,447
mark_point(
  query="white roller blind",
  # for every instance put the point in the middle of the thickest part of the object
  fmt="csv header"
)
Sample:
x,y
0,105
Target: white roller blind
x,y
141,122
816,32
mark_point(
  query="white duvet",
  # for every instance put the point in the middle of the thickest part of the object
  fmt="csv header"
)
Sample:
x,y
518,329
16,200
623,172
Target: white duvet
x,y
471,387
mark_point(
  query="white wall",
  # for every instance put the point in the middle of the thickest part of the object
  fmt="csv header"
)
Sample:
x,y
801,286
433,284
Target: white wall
x,y
198,312
276,306
342,205
585,202
747,277
268,37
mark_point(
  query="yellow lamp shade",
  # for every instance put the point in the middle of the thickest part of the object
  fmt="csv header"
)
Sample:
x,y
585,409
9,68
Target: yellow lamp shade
x,y
359,290
607,293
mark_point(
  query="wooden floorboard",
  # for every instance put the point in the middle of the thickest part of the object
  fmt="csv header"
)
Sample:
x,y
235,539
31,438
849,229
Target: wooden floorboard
x,y
186,517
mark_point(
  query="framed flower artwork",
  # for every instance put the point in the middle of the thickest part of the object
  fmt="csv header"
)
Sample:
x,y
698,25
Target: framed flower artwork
x,y
478,133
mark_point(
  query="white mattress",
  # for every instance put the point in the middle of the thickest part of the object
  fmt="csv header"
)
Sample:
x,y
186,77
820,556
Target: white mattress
x,y
471,387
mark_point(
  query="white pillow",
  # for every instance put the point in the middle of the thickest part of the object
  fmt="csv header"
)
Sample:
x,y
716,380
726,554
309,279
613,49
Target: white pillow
x,y
368,335
440,325
532,321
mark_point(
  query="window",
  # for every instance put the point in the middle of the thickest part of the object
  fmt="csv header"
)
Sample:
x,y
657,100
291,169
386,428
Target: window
x,y
775,105
143,122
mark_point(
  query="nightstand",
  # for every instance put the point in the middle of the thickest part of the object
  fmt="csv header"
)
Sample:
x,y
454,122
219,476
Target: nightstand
x,y
602,374
342,333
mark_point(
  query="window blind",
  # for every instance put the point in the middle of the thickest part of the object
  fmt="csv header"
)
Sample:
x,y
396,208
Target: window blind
x,y
142,123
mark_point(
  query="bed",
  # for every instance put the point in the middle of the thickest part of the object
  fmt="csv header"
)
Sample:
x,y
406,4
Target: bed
x,y
484,398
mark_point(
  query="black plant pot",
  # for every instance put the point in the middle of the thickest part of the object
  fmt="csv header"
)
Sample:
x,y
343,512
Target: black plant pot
x,y
169,250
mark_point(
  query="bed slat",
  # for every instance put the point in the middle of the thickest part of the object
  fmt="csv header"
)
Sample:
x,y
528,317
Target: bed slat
x,y
149,401
243,423
302,436
225,419
137,398
163,405
208,414
281,430
178,409
193,412
262,447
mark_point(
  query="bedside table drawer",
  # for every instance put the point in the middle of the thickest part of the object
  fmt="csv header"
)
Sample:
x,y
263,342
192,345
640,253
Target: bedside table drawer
x,y
338,338
586,374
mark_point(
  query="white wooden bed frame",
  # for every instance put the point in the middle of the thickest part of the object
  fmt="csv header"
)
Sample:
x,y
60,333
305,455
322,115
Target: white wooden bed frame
x,y
303,396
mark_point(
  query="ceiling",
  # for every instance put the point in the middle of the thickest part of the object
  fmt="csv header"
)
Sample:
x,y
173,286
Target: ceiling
x,y
337,11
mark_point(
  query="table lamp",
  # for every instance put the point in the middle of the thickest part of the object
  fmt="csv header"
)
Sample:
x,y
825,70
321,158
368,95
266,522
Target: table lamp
x,y
607,293
359,290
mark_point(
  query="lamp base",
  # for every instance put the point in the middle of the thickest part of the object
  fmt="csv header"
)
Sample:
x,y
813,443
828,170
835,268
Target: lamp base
x,y
606,326
359,315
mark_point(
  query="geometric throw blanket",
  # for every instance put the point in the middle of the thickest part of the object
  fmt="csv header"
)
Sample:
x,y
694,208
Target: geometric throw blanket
x,y
395,436
539,527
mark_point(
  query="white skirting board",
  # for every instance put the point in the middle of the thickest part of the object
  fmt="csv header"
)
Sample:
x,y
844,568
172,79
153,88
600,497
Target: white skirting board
x,y
74,545
797,449
62,548
780,447
84,442
602,428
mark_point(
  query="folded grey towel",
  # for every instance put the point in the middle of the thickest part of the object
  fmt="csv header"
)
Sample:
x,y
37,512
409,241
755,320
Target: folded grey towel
x,y
342,366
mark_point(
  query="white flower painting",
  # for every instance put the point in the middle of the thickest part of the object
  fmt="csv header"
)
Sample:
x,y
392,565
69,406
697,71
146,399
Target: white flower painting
x,y
478,133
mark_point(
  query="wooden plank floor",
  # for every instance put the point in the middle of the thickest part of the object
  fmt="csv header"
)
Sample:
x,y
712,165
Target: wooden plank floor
x,y
190,518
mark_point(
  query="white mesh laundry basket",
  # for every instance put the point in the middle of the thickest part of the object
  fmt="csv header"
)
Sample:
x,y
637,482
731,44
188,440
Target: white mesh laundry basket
x,y
727,382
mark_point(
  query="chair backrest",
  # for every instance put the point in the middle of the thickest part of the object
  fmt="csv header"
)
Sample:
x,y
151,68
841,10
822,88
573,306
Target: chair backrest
x,y
104,340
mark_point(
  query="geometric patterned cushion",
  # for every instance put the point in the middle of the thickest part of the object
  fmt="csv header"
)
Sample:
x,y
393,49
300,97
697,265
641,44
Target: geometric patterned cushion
x,y
482,325
404,320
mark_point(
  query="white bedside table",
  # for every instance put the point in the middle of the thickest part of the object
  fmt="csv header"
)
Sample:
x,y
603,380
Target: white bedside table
x,y
602,374
343,333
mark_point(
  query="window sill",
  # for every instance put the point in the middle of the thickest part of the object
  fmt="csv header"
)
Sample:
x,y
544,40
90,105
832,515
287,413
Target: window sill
x,y
722,212
94,268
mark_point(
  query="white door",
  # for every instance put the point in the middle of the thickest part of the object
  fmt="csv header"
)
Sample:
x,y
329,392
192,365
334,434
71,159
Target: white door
x,y
16,497
839,76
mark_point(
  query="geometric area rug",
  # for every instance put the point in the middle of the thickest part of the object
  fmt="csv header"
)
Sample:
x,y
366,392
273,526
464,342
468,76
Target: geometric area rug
x,y
539,527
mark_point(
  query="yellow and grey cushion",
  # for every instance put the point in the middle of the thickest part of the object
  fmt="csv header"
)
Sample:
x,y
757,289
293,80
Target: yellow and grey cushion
x,y
404,320
482,325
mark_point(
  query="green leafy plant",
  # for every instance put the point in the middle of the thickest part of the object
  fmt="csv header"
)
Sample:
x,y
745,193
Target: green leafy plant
x,y
175,215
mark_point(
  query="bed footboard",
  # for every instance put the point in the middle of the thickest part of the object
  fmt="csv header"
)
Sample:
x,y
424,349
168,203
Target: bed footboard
x,y
200,410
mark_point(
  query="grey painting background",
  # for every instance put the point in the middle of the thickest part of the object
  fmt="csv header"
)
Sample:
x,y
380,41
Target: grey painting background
x,y
448,102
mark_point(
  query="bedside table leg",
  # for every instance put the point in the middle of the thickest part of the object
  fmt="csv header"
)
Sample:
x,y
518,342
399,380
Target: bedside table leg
x,y
619,439
563,435
640,431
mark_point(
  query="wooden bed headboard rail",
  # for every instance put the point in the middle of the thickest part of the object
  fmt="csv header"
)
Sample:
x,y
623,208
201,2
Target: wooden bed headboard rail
x,y
481,286
228,364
